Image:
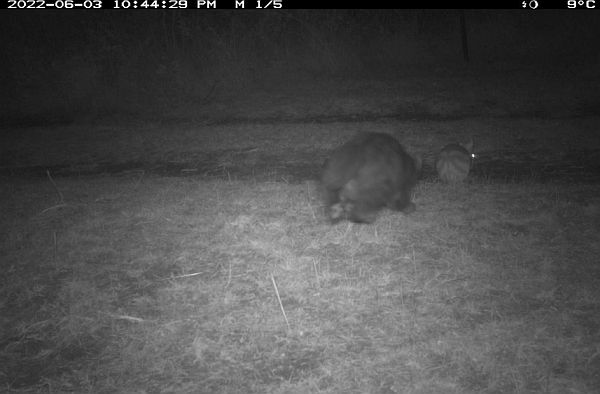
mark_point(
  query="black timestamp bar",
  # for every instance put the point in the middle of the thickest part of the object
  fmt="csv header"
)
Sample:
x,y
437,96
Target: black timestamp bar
x,y
295,4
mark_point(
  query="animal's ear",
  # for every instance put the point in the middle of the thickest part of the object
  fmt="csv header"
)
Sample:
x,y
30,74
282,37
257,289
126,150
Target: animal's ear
x,y
469,146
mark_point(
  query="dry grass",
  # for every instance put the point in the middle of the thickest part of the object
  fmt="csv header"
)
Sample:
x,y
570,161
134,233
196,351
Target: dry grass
x,y
167,285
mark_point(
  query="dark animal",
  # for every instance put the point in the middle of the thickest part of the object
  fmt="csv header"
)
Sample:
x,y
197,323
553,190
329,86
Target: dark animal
x,y
366,174
454,162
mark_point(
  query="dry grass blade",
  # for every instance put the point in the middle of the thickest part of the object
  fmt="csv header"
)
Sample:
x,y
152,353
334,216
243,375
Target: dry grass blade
x,y
287,323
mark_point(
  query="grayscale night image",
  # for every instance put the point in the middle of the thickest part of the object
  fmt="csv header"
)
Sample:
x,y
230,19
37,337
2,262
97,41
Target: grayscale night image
x,y
284,201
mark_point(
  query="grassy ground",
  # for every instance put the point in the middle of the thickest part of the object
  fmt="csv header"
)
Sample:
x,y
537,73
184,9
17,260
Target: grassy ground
x,y
272,149
146,284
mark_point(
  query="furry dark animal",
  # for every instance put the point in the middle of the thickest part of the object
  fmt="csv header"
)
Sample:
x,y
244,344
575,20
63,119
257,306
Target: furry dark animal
x,y
366,174
454,162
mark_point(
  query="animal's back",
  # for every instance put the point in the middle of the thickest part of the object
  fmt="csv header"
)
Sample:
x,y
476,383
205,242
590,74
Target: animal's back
x,y
367,173
454,163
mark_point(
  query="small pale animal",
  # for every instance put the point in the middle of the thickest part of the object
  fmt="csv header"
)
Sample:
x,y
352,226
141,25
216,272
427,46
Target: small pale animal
x,y
370,172
454,162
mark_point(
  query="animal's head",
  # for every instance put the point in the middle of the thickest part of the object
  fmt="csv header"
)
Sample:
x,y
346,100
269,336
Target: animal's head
x,y
469,147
